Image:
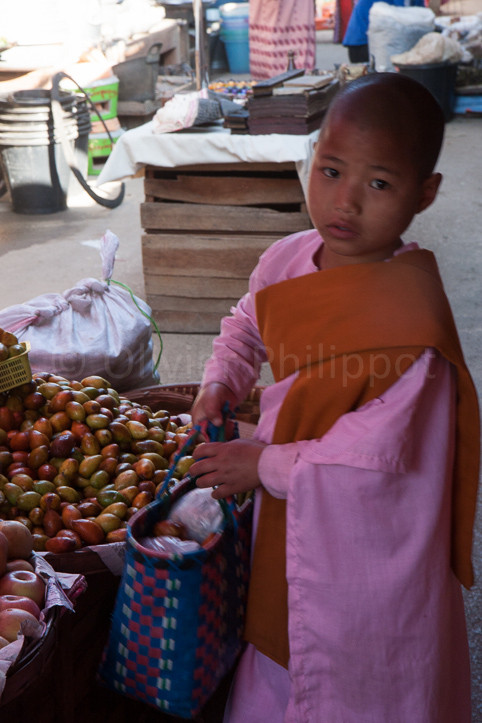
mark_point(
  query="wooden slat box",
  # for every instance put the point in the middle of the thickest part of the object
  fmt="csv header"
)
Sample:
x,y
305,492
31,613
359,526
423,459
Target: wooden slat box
x,y
205,227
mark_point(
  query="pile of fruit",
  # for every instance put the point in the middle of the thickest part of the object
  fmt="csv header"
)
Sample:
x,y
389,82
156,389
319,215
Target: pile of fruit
x,y
77,460
9,345
235,90
22,590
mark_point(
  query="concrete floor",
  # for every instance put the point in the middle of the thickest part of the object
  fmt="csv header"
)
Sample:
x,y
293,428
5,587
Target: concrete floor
x,y
52,253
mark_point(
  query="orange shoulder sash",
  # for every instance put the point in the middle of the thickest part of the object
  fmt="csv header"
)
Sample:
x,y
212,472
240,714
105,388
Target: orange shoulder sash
x,y
349,333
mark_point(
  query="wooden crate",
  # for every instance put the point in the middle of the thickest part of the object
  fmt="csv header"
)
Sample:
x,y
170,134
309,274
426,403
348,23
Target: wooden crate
x,y
204,230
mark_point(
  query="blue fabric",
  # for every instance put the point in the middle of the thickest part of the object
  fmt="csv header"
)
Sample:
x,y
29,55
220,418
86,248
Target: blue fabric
x,y
468,104
357,28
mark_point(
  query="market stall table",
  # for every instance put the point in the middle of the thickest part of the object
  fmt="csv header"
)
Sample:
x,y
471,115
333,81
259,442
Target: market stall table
x,y
214,201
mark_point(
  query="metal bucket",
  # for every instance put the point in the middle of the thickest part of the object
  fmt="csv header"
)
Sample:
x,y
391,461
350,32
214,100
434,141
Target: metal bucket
x,y
138,76
32,162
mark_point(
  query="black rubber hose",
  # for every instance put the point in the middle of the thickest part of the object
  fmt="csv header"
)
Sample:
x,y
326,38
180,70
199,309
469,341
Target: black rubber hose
x,y
66,147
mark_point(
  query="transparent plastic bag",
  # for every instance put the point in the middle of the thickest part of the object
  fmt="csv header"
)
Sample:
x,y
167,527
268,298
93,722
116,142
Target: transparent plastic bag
x,y
200,514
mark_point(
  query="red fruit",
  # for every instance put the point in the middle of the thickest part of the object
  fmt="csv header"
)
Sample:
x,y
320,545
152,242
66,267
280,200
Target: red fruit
x,y
37,439
60,421
19,441
20,456
11,622
52,522
19,468
110,450
78,429
19,539
7,419
19,564
34,400
145,468
18,418
38,456
12,467
42,424
62,444
71,535
23,583
59,400
107,413
89,531
138,415
47,471
17,602
106,400
69,513
59,545
3,553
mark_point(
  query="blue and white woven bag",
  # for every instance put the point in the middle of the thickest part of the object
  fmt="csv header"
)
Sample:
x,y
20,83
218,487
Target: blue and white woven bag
x,y
177,624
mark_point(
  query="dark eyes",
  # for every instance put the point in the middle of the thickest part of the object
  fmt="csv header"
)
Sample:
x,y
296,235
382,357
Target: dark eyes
x,y
378,183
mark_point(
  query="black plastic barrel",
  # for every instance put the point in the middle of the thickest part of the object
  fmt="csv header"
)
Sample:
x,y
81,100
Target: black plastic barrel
x,y
439,79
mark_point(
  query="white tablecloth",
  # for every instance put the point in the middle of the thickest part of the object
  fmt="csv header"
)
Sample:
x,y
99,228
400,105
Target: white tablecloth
x,y
140,147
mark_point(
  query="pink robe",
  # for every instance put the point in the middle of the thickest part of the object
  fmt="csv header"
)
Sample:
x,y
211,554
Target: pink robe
x,y
376,618
276,27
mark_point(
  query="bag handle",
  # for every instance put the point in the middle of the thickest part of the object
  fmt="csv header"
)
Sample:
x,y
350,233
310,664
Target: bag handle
x,y
66,147
214,434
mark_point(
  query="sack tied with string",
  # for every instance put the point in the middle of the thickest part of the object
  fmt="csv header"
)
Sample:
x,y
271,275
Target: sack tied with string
x,y
95,328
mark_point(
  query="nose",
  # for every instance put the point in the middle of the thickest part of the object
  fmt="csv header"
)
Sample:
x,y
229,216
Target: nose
x,y
348,198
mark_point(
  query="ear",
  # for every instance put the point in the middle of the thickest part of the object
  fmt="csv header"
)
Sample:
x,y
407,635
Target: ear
x,y
429,191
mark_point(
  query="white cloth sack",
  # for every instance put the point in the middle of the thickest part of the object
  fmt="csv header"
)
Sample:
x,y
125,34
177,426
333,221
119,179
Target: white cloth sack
x,y
431,48
95,328
393,29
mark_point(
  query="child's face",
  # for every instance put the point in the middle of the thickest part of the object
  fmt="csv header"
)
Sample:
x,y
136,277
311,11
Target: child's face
x,y
363,192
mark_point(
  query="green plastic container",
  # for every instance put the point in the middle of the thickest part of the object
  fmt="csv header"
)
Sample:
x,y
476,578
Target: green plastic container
x,y
104,94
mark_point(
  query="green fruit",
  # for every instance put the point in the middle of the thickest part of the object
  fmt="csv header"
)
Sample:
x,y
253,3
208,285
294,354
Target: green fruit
x,y
89,465
49,389
68,494
99,479
97,421
28,500
15,350
108,521
43,485
126,479
12,493
108,497
75,410
183,466
117,508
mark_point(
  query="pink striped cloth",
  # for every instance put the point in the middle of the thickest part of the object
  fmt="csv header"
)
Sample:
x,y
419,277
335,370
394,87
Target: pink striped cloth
x,y
275,28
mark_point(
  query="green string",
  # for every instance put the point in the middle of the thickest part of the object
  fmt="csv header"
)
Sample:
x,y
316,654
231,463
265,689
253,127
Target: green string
x,y
151,319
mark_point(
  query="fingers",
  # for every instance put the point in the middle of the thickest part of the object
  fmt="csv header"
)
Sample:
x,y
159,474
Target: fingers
x,y
205,466
209,403
206,449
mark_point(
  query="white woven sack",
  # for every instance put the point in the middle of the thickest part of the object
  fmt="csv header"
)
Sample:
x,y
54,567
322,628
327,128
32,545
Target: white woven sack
x,y
95,328
394,29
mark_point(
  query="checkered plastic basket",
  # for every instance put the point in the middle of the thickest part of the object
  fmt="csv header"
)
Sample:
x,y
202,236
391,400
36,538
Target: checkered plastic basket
x,y
177,625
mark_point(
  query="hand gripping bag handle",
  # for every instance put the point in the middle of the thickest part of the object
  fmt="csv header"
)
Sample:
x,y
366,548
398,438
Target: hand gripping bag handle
x,y
66,147
214,434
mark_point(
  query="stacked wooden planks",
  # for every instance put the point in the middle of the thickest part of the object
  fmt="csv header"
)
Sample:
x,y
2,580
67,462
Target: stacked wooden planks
x,y
205,227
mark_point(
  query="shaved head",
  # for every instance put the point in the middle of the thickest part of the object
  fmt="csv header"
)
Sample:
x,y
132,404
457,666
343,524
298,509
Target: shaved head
x,y
396,103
